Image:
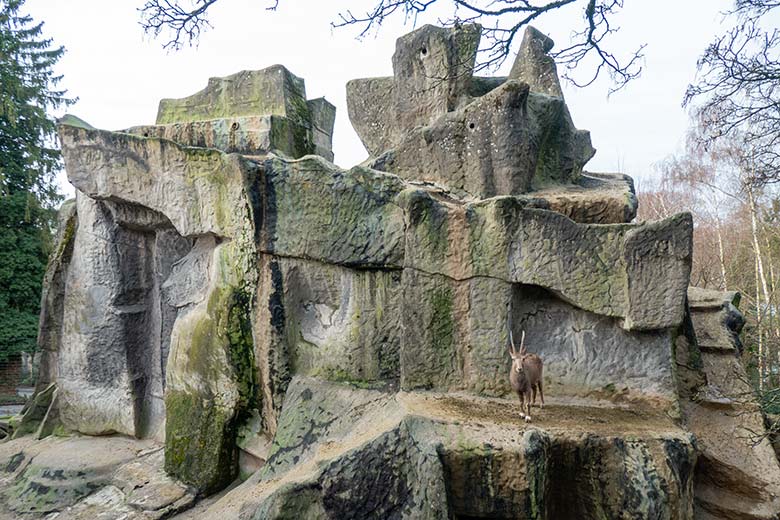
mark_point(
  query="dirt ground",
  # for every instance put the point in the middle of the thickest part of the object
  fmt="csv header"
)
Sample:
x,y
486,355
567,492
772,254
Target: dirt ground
x,y
557,414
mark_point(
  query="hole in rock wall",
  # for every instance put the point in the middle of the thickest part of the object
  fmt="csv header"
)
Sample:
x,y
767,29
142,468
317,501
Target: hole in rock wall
x,y
232,136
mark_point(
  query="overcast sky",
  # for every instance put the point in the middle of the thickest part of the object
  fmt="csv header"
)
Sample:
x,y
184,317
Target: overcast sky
x,y
119,74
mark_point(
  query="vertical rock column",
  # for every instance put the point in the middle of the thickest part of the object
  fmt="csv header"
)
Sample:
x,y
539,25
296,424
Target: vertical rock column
x,y
737,475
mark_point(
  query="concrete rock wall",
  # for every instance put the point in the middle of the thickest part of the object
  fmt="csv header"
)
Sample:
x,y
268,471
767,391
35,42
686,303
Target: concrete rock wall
x,y
338,338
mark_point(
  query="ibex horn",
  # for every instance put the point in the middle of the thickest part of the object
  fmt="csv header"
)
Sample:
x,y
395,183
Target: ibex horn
x,y
509,327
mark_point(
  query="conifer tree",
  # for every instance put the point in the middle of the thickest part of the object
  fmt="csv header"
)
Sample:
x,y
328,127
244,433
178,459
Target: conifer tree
x,y
29,160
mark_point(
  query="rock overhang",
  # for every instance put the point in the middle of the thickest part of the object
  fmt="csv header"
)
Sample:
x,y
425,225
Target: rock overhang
x,y
310,209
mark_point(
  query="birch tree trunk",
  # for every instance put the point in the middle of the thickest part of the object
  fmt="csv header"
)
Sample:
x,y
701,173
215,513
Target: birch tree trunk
x,y
760,277
721,255
759,332
772,346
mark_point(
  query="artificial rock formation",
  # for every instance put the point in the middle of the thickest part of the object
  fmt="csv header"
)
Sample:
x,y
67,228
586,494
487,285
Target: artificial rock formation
x,y
430,122
227,303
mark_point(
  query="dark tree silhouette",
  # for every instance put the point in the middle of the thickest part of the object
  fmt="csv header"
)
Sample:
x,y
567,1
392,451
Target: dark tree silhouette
x,y
180,23
29,160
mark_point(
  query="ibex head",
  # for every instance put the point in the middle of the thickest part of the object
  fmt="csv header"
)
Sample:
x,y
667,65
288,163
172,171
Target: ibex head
x,y
517,356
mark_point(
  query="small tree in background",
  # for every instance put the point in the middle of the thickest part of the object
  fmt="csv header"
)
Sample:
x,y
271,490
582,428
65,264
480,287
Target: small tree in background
x,y
29,160
736,236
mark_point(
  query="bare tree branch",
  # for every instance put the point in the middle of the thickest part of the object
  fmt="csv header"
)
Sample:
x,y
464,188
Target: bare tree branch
x,y
182,20
738,88
502,21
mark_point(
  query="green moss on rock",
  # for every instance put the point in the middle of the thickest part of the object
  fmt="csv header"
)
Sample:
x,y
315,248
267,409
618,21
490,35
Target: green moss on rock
x,y
200,441
202,424
241,348
442,323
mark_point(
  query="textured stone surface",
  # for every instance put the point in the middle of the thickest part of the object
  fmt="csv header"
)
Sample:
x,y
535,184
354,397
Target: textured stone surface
x,y
432,74
323,118
609,270
424,124
147,488
716,319
249,135
371,105
120,478
94,381
327,321
271,91
53,297
534,65
344,324
250,112
738,475
455,336
199,190
196,302
59,474
211,380
312,209
507,142
341,452
336,339
114,331
596,198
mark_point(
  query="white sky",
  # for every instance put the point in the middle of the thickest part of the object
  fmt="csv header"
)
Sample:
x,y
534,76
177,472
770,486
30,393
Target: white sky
x,y
119,74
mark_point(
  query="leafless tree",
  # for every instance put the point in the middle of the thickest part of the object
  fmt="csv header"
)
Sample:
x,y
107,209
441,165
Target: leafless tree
x,y
181,21
738,87
588,53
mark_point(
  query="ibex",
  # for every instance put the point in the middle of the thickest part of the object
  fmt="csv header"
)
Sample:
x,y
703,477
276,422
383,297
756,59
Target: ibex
x,y
525,376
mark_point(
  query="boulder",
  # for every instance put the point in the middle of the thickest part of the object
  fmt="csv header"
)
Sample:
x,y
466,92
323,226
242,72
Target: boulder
x,y
121,478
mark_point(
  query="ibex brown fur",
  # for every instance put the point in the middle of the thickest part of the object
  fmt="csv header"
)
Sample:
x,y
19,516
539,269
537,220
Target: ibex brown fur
x,y
525,376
